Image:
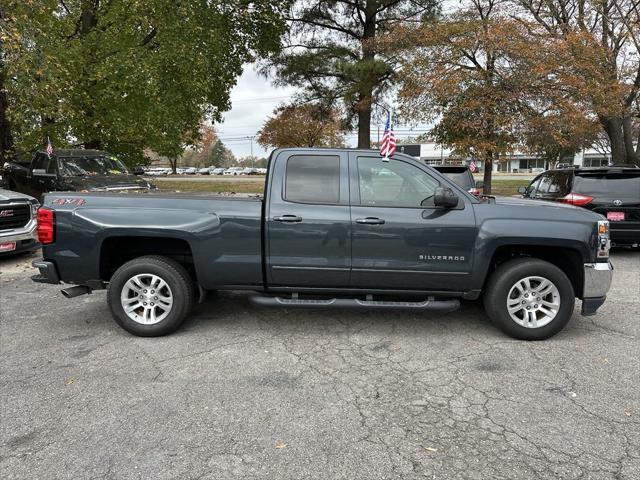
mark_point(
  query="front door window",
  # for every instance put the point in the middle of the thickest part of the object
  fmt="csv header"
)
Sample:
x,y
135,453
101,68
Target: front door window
x,y
394,184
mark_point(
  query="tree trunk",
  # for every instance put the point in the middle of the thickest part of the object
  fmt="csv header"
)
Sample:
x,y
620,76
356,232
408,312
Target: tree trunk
x,y
365,96
488,171
364,123
6,136
627,131
620,133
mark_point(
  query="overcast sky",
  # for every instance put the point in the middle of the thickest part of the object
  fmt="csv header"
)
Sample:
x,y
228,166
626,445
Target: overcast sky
x,y
252,101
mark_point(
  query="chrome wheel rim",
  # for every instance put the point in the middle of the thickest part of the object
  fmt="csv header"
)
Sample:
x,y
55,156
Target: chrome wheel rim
x,y
146,299
533,302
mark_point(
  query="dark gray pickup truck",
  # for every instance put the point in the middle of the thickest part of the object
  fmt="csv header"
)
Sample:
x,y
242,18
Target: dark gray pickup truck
x,y
336,228
71,170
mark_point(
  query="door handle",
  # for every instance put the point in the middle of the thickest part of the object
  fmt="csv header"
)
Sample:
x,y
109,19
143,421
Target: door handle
x,y
370,221
288,219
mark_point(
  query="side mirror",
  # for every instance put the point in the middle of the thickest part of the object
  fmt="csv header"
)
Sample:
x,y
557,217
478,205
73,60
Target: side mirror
x,y
523,190
445,197
479,184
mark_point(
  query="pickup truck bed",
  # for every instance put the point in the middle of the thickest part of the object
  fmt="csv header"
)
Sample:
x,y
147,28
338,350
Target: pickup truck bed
x,y
223,233
334,225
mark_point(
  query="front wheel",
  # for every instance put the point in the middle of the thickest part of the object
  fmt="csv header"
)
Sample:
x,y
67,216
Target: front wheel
x,y
150,296
529,299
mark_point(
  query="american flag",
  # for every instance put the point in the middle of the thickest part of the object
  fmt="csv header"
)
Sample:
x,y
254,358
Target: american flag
x,y
472,166
49,147
388,144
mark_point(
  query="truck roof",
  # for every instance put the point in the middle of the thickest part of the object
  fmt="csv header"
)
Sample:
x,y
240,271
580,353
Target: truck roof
x,y
75,152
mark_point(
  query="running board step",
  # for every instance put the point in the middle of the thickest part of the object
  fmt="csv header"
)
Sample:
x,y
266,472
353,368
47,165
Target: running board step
x,y
431,304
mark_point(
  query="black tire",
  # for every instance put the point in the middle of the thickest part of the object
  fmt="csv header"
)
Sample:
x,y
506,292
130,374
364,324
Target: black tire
x,y
506,276
176,277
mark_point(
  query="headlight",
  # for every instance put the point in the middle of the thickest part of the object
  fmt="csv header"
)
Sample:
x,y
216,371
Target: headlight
x,y
604,243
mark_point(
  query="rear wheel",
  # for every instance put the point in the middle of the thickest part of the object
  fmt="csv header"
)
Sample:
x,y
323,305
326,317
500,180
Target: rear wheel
x,y
529,299
150,296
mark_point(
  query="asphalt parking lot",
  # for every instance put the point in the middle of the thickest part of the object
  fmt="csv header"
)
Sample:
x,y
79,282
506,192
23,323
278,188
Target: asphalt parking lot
x,y
246,393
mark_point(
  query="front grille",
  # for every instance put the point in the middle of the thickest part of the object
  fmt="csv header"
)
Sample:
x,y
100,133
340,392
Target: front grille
x,y
14,216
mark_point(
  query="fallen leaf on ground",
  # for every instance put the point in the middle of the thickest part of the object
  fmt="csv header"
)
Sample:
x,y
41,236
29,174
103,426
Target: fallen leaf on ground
x,y
431,449
281,445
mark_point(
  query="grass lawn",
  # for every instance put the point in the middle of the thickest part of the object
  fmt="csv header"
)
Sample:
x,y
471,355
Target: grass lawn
x,y
211,187
500,187
507,188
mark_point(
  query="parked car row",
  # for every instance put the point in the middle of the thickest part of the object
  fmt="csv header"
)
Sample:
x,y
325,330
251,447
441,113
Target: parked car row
x,y
155,171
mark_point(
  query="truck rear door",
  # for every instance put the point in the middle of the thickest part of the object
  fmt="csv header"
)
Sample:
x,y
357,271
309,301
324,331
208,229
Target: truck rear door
x,y
399,239
308,223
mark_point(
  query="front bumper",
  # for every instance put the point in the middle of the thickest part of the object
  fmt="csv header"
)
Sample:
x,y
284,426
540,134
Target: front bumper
x,y
625,233
48,272
25,238
597,281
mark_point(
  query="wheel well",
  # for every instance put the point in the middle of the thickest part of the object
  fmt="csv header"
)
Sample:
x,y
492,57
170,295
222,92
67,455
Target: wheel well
x,y
116,251
566,259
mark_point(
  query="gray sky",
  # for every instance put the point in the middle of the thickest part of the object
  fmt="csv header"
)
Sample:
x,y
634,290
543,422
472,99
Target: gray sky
x,y
252,101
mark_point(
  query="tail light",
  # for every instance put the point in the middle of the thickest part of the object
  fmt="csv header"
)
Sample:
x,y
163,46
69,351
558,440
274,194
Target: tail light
x,y
576,199
46,232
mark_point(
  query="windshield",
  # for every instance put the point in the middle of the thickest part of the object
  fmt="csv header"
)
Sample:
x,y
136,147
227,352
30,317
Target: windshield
x,y
93,165
609,185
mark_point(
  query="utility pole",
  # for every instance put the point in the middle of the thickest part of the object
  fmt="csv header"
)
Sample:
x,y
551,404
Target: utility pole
x,y
253,162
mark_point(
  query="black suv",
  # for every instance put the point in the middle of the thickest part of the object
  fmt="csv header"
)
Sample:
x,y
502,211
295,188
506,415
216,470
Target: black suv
x,y
462,176
611,191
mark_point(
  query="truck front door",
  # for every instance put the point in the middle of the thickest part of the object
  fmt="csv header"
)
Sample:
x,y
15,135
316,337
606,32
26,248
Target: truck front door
x,y
400,240
43,175
308,224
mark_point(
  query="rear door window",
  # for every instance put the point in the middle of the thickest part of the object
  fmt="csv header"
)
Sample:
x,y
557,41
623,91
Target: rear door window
x,y
620,186
313,179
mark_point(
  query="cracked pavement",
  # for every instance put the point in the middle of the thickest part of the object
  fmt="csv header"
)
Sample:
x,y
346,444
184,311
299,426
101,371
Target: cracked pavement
x,y
242,392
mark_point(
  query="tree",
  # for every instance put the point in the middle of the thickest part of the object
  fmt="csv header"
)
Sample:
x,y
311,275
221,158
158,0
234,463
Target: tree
x,y
221,156
465,72
126,75
558,133
305,125
596,47
491,86
332,53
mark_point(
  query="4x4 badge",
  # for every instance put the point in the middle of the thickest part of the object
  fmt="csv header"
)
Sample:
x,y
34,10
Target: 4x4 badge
x,y
617,203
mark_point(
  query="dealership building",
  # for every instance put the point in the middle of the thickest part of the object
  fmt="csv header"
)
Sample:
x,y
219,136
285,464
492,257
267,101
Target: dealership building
x,y
433,154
